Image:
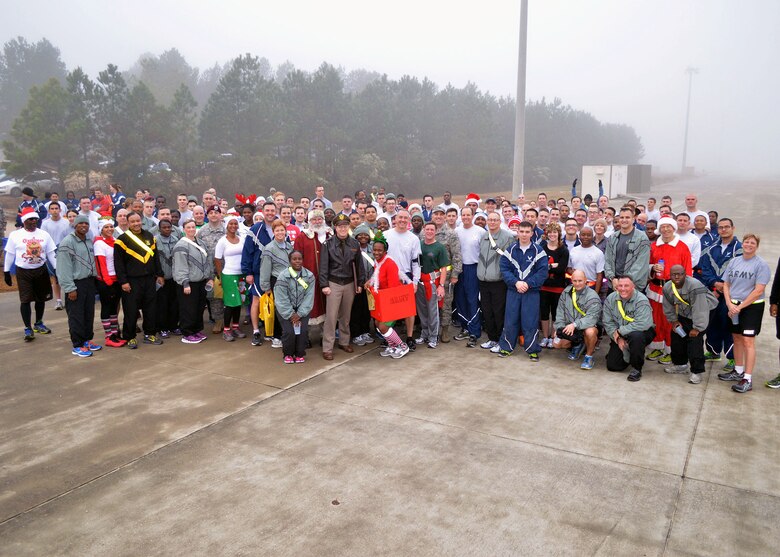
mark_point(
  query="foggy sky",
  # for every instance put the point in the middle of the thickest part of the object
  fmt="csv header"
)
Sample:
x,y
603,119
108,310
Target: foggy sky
x,y
621,60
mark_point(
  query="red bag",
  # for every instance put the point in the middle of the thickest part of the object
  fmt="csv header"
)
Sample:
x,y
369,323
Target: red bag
x,y
392,304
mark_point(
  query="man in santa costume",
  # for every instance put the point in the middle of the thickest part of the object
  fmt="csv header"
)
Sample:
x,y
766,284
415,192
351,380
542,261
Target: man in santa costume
x,y
666,252
309,242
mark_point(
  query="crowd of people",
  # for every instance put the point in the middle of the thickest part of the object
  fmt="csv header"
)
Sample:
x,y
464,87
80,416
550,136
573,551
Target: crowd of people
x,y
653,285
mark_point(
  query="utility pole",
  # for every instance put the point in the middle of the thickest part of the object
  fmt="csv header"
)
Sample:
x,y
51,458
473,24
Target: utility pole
x,y
519,163
690,71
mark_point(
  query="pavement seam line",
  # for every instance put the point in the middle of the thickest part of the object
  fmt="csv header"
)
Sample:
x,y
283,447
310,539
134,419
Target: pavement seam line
x,y
172,442
691,441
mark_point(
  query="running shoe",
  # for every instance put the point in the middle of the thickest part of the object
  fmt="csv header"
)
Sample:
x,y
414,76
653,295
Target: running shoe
x,y
665,360
176,332
191,339
58,306
496,349
587,362
289,360
132,344
29,335
504,353
300,360
463,335
711,357
420,340
92,347
729,366
257,339
743,386
433,343
576,350
410,344
227,336
165,334
472,342
276,343
654,355
358,341
81,352
694,378
533,356
237,333
400,352
368,338
151,339
682,368
200,335
114,342
773,383
40,328
731,376
488,345
387,352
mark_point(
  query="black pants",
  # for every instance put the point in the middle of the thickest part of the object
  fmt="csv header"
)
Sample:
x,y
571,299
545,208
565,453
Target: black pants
x,y
109,299
637,342
168,306
688,349
81,311
191,307
141,297
492,300
360,319
292,344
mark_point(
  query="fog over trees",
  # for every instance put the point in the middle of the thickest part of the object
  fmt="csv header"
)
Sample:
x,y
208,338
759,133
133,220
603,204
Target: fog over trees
x,y
246,126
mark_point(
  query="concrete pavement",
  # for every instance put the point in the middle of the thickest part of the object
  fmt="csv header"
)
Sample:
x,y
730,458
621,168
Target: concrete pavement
x,y
220,449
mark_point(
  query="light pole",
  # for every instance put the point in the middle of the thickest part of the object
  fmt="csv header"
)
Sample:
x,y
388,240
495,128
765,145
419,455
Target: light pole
x,y
519,163
690,71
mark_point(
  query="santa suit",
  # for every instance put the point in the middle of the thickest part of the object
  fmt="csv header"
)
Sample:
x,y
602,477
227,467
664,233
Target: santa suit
x,y
673,253
310,244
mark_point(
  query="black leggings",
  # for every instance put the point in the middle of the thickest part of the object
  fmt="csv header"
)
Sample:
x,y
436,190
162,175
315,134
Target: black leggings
x,y
232,315
27,313
110,295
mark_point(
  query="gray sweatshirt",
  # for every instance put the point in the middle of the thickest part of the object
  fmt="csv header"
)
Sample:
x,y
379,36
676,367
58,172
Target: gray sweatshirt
x,y
489,263
190,264
75,261
699,302
587,300
637,308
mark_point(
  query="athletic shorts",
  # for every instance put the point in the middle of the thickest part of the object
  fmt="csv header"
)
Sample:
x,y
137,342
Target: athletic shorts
x,y
34,284
577,338
749,321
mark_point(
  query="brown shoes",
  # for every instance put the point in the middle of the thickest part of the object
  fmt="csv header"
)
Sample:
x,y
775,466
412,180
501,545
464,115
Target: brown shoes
x,y
346,348
327,355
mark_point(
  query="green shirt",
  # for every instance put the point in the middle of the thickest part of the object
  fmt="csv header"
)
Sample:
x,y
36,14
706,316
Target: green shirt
x,y
434,257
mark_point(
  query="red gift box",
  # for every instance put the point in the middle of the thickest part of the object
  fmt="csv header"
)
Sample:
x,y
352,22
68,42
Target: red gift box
x,y
392,304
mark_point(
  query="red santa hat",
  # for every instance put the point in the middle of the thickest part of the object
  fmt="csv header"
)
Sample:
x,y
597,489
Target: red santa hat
x,y
473,198
28,213
667,220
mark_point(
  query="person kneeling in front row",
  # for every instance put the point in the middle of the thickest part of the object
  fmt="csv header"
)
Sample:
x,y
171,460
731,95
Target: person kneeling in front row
x,y
687,304
628,321
579,310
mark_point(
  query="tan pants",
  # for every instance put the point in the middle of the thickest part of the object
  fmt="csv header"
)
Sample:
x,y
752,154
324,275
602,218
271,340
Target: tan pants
x,y
338,307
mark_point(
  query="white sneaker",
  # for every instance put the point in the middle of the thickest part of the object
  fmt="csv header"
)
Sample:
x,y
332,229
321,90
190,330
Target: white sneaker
x,y
496,349
400,352
389,351
368,339
358,341
433,342
488,345
694,378
683,368
276,343
420,340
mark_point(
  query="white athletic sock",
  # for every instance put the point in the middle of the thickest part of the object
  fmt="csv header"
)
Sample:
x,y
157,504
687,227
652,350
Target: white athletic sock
x,y
749,377
256,332
739,369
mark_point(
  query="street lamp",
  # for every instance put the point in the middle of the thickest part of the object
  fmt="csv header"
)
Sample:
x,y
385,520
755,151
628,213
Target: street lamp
x,y
690,71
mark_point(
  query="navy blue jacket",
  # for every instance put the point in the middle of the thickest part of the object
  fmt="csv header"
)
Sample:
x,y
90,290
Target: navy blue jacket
x,y
256,239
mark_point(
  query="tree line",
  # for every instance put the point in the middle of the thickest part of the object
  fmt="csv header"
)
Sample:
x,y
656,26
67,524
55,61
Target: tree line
x,y
244,127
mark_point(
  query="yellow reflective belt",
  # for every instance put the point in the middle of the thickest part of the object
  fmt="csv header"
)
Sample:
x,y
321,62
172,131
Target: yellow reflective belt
x,y
735,302
574,301
677,295
623,312
298,278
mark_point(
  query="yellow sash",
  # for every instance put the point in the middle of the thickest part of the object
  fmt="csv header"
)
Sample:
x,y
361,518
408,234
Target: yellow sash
x,y
298,278
149,252
623,312
677,295
574,301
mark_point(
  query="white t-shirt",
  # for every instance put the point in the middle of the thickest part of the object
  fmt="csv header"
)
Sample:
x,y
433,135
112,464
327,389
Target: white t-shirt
x,y
29,250
694,245
102,248
57,229
231,253
404,248
588,260
469,243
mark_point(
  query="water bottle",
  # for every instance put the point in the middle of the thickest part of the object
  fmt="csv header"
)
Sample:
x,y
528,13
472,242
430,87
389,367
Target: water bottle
x,y
661,263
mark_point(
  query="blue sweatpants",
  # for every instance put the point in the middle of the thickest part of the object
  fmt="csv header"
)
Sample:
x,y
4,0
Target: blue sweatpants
x,y
719,337
467,301
522,313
